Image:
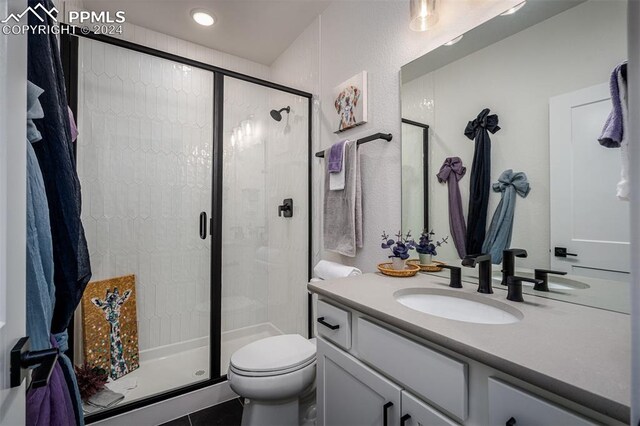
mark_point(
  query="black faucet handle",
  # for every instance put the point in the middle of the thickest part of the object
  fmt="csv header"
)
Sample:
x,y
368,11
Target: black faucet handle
x,y
455,280
517,252
471,260
514,284
543,272
542,275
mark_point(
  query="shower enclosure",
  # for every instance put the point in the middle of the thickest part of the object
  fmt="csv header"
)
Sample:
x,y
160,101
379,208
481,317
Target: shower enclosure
x,y
186,172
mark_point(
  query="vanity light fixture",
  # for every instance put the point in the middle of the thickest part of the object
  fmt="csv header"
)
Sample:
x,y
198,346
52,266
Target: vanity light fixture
x,y
203,17
454,41
423,14
514,9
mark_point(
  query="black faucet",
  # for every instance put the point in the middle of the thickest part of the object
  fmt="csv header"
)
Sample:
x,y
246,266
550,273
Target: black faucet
x,y
514,284
484,270
509,262
455,280
542,275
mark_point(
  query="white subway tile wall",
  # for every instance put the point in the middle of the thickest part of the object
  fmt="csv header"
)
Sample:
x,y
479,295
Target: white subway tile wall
x,y
144,161
264,255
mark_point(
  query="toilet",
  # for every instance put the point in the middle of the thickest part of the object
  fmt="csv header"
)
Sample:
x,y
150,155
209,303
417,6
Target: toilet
x,y
276,377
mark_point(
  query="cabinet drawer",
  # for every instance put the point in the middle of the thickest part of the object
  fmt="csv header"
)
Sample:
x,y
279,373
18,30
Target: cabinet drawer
x,y
334,324
417,413
431,375
506,401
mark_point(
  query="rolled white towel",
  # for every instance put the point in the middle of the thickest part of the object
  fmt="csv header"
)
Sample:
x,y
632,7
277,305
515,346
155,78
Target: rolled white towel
x,y
328,270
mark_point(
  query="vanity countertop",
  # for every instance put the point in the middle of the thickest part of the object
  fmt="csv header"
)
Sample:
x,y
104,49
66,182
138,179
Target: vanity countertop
x,y
577,352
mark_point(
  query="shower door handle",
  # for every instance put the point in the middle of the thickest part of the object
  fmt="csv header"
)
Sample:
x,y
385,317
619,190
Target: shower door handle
x,y
203,225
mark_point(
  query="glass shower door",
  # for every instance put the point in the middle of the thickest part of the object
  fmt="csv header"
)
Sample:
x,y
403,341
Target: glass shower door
x,y
264,253
144,156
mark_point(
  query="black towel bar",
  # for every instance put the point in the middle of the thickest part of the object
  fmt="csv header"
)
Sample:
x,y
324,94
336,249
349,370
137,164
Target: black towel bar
x,y
386,136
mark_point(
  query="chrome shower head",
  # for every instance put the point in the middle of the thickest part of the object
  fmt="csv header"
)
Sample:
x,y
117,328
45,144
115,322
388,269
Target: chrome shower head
x,y
277,115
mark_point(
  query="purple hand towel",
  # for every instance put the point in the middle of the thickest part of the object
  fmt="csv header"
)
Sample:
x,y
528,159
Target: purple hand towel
x,y
335,157
51,405
613,131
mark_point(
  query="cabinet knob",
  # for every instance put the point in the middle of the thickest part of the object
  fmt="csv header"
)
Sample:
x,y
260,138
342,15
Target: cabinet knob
x,y
511,422
403,419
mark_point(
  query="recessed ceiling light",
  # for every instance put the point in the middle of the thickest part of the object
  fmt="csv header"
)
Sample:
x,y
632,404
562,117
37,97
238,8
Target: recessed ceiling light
x,y
514,9
203,17
454,41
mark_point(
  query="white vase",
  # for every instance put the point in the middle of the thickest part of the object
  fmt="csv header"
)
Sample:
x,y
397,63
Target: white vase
x,y
398,264
425,259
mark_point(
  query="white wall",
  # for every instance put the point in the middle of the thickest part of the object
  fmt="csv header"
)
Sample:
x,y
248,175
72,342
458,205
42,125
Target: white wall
x,y
372,36
634,157
13,208
515,79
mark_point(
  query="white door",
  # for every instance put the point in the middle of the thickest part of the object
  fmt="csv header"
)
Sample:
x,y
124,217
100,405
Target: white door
x,y
587,219
349,393
13,74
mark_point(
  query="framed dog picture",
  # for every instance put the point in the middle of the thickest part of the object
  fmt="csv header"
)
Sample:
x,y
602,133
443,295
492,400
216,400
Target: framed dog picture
x,y
350,101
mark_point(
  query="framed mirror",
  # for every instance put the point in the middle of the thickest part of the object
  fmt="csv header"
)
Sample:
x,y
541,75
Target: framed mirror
x,y
544,75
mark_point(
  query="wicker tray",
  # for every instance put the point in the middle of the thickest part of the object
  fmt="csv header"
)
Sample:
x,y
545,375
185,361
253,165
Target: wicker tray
x,y
409,271
433,267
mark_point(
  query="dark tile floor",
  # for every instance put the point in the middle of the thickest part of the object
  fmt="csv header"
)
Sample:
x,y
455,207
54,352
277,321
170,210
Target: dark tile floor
x,y
225,414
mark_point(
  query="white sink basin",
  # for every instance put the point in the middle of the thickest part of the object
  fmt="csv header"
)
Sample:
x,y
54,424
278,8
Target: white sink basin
x,y
458,306
555,282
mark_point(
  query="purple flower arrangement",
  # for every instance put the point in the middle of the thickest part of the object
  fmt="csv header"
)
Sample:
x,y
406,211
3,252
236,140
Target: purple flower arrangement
x,y
427,245
399,247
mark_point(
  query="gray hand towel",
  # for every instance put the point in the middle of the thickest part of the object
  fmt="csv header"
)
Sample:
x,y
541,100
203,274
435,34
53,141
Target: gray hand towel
x,y
343,208
104,399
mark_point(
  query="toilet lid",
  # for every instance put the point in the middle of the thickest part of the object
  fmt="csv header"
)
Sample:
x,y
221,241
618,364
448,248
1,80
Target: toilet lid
x,y
272,354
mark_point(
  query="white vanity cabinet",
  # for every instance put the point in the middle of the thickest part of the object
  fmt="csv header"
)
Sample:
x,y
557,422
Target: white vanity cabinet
x,y
508,404
373,375
351,394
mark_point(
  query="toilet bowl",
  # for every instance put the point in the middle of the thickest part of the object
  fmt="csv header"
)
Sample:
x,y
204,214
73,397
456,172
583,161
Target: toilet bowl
x,y
274,375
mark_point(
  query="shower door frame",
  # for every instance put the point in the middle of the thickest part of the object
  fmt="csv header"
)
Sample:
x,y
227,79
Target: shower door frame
x,y
69,55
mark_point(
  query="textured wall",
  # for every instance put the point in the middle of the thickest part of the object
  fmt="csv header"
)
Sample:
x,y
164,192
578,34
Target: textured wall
x,y
461,90
372,36
299,67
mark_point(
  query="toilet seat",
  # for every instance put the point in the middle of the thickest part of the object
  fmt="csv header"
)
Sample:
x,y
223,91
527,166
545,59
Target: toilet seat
x,y
273,356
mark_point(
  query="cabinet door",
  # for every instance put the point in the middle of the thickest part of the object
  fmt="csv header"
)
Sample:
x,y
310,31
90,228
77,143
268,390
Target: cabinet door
x,y
418,413
509,405
351,394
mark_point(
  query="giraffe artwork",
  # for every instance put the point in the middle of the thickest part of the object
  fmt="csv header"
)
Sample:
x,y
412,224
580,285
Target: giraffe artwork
x,y
111,305
110,325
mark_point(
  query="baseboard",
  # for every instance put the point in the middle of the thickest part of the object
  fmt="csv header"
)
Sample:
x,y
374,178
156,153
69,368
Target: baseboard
x,y
174,408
